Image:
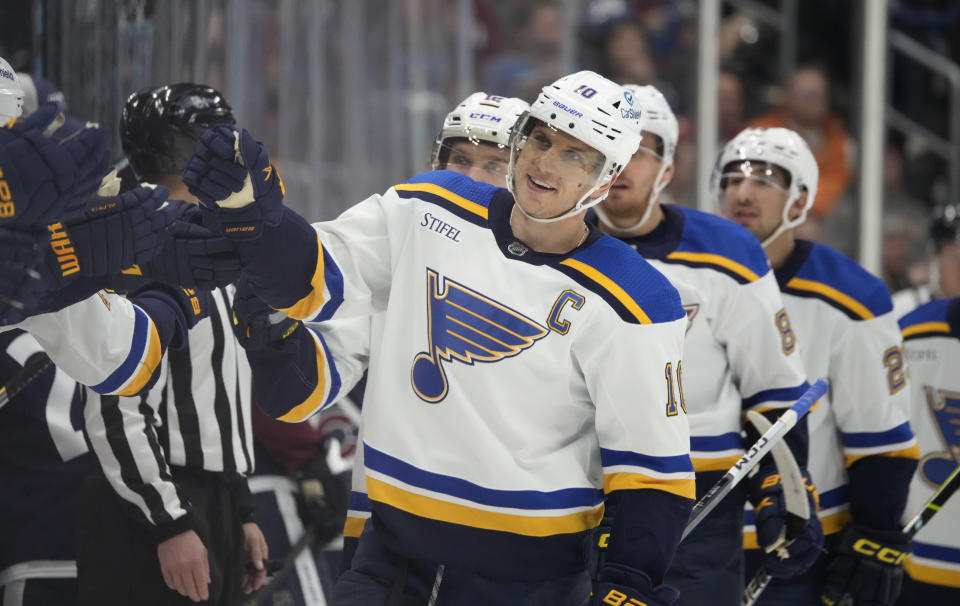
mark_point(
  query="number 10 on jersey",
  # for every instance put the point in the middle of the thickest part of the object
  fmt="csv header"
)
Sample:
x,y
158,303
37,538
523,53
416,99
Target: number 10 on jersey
x,y
671,397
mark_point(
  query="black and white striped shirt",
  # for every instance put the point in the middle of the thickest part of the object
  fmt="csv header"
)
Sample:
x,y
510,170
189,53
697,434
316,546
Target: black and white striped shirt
x,y
197,416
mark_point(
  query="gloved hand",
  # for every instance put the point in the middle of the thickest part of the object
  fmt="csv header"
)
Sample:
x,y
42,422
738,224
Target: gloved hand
x,y
111,234
791,547
21,285
43,176
255,323
191,256
868,567
621,586
231,175
325,492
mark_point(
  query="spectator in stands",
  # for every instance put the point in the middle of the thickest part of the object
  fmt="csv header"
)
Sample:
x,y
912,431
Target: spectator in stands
x,y
535,58
806,110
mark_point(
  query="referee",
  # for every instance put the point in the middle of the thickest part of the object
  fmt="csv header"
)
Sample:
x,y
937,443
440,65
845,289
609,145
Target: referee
x,y
169,520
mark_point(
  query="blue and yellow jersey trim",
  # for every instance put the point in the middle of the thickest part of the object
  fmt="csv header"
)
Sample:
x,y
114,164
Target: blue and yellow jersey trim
x,y
715,453
625,470
326,291
328,383
931,319
771,399
461,195
712,242
358,512
933,564
896,442
138,368
631,286
840,283
453,500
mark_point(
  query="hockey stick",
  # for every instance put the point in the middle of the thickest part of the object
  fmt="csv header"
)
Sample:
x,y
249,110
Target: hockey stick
x,y
761,447
32,368
943,492
280,569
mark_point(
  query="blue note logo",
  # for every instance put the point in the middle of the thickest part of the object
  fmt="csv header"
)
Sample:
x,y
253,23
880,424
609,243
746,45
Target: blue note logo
x,y
945,409
464,325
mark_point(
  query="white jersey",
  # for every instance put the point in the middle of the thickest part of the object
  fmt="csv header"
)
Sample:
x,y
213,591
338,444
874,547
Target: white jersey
x,y
103,341
738,351
931,338
846,332
510,391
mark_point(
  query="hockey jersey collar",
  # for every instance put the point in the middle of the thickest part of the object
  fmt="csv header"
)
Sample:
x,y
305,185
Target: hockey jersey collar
x,y
513,248
794,262
663,240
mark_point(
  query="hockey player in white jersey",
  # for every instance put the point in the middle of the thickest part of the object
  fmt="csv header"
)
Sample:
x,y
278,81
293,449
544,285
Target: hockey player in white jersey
x,y
526,374
931,342
862,450
475,141
735,318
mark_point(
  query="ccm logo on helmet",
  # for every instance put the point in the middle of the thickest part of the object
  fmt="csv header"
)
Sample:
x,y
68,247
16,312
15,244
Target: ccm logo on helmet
x,y
884,554
488,117
7,207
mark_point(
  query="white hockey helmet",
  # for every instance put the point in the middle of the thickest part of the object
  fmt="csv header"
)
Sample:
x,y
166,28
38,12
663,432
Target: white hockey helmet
x,y
11,94
780,147
594,110
478,118
658,118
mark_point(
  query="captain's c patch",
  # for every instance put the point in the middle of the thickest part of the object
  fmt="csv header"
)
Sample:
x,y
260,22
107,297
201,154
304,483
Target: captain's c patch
x,y
465,325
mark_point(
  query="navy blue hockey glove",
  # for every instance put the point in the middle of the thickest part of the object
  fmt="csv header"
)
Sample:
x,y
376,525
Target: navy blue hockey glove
x,y
255,323
43,175
792,545
621,586
868,567
191,256
325,492
231,175
111,234
21,286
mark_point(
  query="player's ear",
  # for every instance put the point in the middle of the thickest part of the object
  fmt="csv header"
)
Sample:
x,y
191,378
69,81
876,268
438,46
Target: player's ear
x,y
796,209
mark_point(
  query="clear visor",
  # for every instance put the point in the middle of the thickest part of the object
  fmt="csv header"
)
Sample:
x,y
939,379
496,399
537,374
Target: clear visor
x,y
652,145
538,141
764,174
463,155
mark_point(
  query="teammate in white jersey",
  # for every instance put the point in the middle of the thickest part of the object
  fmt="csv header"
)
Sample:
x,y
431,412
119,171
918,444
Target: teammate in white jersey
x,y
473,141
931,340
735,318
527,370
862,450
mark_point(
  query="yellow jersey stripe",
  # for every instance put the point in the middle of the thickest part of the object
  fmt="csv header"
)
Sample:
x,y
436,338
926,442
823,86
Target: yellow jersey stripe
x,y
912,452
833,294
446,194
307,307
832,524
315,400
714,259
929,574
353,527
453,513
715,464
147,366
926,327
785,406
610,286
634,481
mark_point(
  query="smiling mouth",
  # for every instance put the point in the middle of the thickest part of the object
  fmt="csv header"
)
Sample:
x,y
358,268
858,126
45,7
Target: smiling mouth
x,y
538,186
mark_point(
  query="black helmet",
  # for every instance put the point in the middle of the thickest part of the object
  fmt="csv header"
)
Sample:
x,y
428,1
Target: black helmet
x,y
160,127
945,225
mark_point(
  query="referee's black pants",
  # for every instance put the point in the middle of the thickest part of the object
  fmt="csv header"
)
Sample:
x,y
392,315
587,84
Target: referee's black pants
x,y
117,562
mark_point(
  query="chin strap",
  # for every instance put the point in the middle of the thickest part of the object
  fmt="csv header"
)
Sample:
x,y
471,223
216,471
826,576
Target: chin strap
x,y
651,202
